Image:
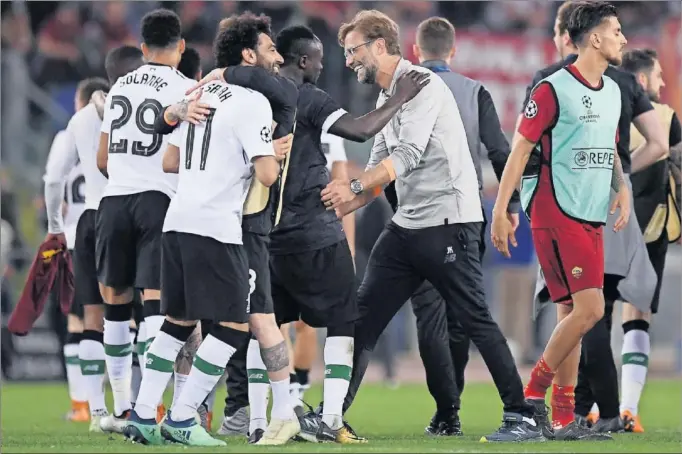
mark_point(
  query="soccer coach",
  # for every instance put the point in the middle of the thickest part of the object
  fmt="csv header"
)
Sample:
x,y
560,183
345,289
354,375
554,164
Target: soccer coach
x,y
443,344
436,232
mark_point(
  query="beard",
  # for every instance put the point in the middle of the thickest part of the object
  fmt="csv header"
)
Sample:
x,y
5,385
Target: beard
x,y
271,67
368,74
653,96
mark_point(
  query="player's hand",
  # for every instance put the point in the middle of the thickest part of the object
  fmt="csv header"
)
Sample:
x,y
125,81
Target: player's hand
x,y
337,193
216,74
98,98
190,110
410,84
514,219
283,146
621,201
502,233
61,237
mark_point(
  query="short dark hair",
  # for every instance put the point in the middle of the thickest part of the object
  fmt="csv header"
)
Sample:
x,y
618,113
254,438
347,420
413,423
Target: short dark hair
x,y
563,15
161,28
436,36
238,33
87,87
639,60
121,60
292,42
373,24
586,16
190,63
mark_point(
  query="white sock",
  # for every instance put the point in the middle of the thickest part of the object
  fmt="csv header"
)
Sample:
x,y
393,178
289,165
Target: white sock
x,y
152,327
74,378
161,356
141,345
595,408
338,360
281,400
119,358
209,365
92,362
635,357
259,387
178,382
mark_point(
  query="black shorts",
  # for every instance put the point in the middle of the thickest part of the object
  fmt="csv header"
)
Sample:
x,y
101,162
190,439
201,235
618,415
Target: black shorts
x,y
76,305
203,279
128,240
260,292
84,262
657,251
317,287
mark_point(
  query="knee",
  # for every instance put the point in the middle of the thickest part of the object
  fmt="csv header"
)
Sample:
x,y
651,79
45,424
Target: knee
x,y
261,324
116,296
631,313
93,317
74,324
588,308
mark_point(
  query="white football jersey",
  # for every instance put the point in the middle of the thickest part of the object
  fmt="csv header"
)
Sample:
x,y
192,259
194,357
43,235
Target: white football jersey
x,y
334,149
135,152
74,197
84,128
216,162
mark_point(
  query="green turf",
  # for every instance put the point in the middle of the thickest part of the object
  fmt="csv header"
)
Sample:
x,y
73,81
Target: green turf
x,y
393,420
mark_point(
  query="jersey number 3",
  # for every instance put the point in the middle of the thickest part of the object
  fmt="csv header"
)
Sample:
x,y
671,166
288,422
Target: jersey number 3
x,y
138,148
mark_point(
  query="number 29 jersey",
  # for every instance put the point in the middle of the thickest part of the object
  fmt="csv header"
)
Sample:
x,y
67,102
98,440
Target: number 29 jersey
x,y
135,152
216,157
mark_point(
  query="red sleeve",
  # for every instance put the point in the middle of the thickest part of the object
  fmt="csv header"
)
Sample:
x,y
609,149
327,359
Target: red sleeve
x,y
539,113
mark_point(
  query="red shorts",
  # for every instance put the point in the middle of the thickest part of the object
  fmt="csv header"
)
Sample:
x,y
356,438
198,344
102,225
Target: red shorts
x,y
571,258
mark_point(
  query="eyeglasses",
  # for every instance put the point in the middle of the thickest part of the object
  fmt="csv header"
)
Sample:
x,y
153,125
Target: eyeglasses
x,y
350,52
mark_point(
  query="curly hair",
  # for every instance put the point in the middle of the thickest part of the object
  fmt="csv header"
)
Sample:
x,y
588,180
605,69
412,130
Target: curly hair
x,y
373,25
236,34
161,28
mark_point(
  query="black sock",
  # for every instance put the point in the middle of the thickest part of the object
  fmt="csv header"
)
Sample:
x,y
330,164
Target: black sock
x,y
302,375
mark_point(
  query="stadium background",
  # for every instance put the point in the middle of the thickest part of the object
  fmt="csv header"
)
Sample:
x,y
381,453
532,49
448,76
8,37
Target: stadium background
x,y
48,46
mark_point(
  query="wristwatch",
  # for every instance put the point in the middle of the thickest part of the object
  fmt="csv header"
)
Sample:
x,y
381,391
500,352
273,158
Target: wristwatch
x,y
356,187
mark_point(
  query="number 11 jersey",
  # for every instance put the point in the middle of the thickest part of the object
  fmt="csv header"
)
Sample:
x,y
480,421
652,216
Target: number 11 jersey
x,y
135,151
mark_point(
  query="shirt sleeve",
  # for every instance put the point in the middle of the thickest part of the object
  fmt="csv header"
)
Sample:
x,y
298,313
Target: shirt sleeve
x,y
640,100
379,151
62,158
323,111
417,120
529,89
108,115
675,136
539,114
255,129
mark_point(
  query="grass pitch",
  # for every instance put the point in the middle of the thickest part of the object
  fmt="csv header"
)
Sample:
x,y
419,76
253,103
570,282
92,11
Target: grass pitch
x,y
393,420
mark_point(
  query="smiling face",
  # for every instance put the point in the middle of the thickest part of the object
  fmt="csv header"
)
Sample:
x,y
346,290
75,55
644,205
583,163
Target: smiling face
x,y
360,57
266,54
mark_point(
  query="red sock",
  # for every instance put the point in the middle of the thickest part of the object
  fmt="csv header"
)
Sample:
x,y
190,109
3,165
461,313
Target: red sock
x,y
540,380
563,405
